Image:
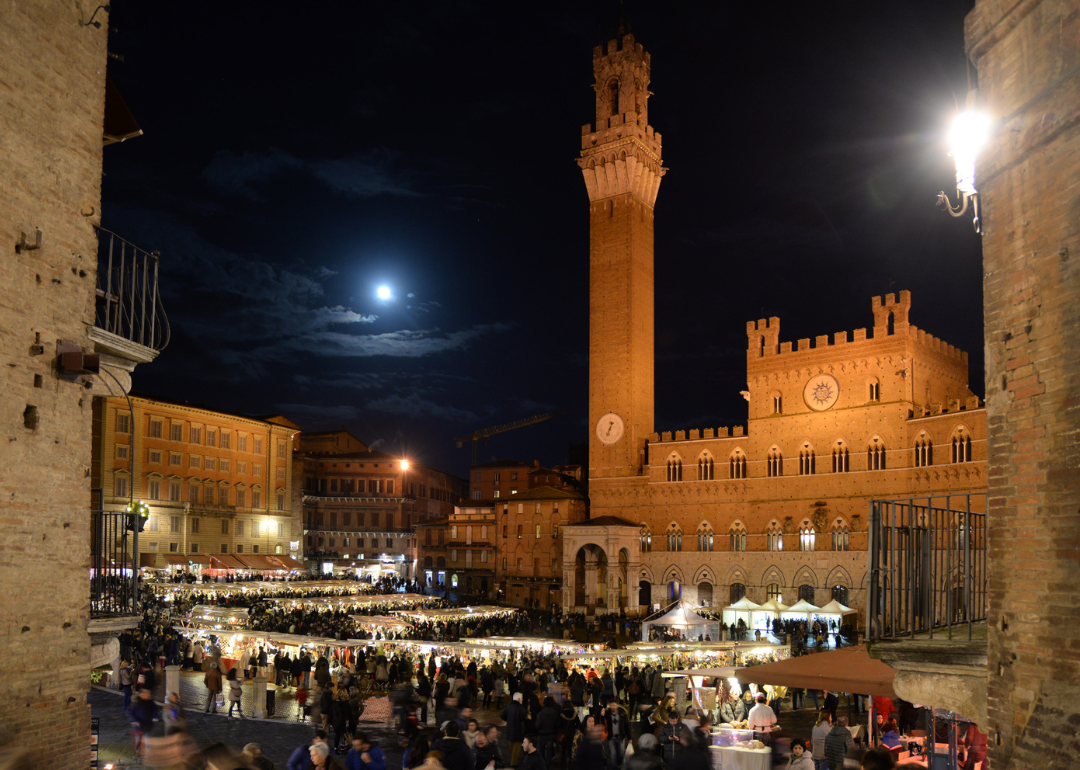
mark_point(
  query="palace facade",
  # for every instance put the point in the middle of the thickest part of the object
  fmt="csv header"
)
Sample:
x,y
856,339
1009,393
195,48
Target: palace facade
x,y
777,509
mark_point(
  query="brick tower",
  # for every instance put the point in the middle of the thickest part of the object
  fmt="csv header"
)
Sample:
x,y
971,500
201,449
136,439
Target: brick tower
x,y
621,163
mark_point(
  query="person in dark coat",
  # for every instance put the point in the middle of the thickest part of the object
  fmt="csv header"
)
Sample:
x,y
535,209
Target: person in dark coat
x,y
546,723
488,756
837,744
565,732
617,724
533,759
456,755
487,685
142,712
674,738
514,716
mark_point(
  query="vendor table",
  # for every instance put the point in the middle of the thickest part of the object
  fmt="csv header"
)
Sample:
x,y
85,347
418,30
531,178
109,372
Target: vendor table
x,y
737,758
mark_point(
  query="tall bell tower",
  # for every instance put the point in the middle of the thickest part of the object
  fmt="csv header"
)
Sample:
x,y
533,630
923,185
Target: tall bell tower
x,y
621,163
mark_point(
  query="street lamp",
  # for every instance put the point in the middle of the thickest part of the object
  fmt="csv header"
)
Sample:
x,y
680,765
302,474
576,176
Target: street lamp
x,y
968,134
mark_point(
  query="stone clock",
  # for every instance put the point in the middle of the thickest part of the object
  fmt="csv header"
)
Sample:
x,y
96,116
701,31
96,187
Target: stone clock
x,y
609,428
821,392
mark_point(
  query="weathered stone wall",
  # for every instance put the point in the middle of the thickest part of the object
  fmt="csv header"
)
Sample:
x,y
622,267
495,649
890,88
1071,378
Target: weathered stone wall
x,y
1028,59
52,95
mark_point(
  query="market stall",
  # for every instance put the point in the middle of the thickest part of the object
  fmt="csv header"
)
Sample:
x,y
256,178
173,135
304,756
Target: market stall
x,y
219,618
835,610
767,612
682,622
740,610
800,610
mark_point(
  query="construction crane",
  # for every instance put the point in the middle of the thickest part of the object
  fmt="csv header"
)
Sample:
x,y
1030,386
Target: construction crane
x,y
475,436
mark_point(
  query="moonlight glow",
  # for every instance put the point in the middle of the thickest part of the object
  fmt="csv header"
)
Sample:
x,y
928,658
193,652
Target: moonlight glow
x,y
383,292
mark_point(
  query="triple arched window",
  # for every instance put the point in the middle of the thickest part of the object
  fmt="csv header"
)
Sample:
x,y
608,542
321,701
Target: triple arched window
x,y
738,465
738,537
806,461
774,536
841,536
705,468
807,537
674,538
961,446
705,538
840,458
875,455
674,469
924,451
775,462
646,540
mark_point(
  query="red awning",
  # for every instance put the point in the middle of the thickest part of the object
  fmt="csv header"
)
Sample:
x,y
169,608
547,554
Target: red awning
x,y
225,561
257,561
197,558
850,669
288,562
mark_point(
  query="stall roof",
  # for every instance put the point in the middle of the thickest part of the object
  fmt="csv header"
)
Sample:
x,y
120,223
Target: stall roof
x,y
257,561
226,561
722,671
289,562
836,608
379,620
802,606
773,605
681,616
197,558
850,669
743,605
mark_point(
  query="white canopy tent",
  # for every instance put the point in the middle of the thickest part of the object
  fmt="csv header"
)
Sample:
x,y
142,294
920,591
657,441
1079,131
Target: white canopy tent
x,y
686,621
741,609
836,608
801,610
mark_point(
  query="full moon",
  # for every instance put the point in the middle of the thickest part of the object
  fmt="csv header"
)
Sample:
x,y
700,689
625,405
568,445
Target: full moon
x,y
383,292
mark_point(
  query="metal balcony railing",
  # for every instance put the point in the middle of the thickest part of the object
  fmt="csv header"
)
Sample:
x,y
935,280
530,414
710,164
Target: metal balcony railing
x,y
114,555
128,300
928,567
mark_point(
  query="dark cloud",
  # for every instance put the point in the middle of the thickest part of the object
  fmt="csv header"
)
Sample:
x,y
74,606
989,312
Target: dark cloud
x,y
415,406
365,175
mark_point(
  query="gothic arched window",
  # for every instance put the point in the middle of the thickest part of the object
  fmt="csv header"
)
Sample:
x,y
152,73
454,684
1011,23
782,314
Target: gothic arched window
x,y
674,538
738,465
775,462
806,461
738,537
875,455
705,467
705,537
961,446
807,537
924,451
775,537
840,458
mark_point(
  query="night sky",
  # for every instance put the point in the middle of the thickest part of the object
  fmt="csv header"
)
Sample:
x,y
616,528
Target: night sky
x,y
296,156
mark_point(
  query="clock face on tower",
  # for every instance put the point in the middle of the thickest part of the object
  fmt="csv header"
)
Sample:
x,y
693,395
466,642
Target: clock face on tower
x,y
609,428
821,392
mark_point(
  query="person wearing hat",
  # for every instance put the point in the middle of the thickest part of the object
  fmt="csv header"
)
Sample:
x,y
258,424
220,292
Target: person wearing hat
x,y
761,718
800,757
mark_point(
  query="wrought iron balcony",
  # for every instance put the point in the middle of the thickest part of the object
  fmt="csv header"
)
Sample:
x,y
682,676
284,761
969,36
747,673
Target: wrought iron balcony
x,y
128,300
928,568
114,564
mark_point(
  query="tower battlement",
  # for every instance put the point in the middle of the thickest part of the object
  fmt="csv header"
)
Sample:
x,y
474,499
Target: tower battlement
x,y
890,320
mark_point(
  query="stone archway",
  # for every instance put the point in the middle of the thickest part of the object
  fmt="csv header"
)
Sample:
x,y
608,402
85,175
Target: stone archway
x,y
591,576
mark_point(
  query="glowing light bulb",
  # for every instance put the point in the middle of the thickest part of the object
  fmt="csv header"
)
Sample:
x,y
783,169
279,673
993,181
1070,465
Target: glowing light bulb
x,y
383,292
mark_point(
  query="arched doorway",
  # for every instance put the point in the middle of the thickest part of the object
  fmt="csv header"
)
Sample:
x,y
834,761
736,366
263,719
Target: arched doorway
x,y
704,594
674,591
736,592
591,577
645,594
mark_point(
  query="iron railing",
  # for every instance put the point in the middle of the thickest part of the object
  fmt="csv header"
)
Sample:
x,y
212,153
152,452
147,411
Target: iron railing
x,y
128,300
114,567
928,567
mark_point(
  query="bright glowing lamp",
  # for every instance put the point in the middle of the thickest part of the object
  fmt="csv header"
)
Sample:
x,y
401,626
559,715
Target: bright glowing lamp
x,y
968,135
383,292
404,465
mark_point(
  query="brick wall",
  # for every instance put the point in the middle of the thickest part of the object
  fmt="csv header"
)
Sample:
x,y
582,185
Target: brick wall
x,y
1028,59
52,92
